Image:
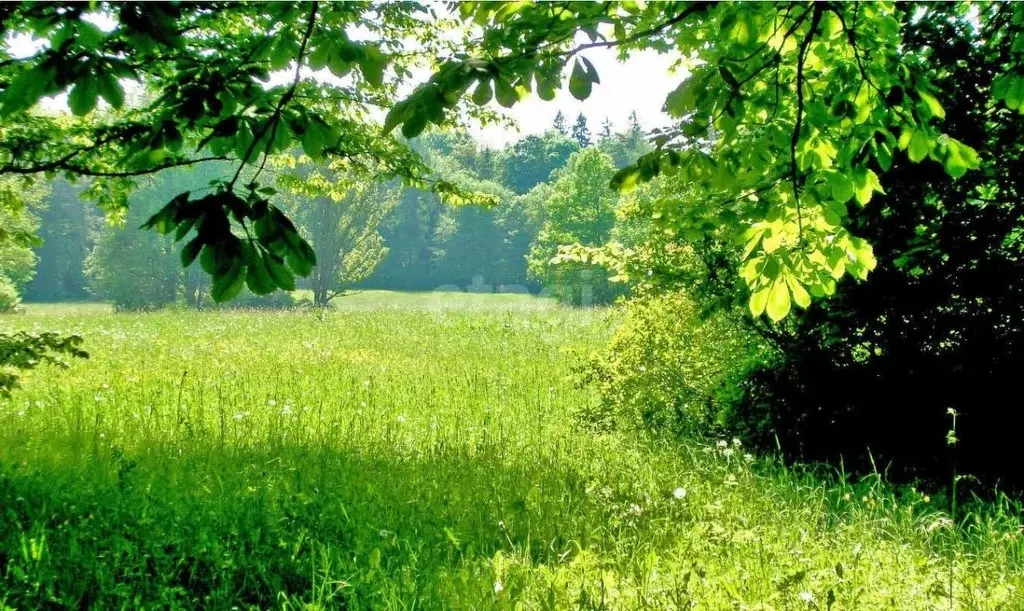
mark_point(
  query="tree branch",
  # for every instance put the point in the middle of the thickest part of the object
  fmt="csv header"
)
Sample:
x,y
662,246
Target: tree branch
x,y
275,118
795,139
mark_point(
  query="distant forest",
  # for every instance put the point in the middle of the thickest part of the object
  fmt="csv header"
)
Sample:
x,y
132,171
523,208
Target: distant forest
x,y
417,243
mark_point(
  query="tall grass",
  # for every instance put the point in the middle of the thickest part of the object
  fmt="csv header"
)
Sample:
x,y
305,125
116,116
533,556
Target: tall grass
x,y
420,452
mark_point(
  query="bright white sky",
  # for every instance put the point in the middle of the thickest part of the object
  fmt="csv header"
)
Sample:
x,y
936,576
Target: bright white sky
x,y
641,83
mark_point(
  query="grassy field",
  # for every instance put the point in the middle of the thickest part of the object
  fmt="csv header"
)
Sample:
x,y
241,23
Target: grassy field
x,y
420,452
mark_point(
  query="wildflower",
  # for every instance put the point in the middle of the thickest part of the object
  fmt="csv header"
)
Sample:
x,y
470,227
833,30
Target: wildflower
x,y
927,499
722,443
679,493
271,402
807,597
736,442
401,418
498,587
727,452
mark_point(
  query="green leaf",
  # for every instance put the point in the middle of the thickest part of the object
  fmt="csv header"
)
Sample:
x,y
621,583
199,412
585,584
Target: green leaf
x,y
227,285
314,138
505,93
865,183
883,153
257,277
840,186
580,85
83,96
191,251
933,105
758,301
372,64
482,94
282,276
546,88
301,258
800,296
110,90
283,52
415,124
778,301
398,115
320,55
744,29
25,90
626,179
919,146
960,158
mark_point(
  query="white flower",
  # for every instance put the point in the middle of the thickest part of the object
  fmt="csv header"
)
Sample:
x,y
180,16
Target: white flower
x,y
736,442
401,418
498,587
722,443
807,597
271,402
679,493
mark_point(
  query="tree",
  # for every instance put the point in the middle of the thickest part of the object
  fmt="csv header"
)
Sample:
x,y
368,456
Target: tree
x,y
580,131
559,124
532,160
940,325
786,119
606,129
581,211
67,228
342,226
805,104
129,266
202,73
19,206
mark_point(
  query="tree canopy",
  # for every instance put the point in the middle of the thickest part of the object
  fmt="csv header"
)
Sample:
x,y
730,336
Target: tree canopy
x,y
787,112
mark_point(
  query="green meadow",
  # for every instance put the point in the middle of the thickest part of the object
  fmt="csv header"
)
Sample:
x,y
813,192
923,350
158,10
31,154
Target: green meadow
x,y
422,451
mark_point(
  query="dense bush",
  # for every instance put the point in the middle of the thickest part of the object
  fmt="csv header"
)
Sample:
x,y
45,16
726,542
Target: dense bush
x,y
133,269
673,367
278,300
9,298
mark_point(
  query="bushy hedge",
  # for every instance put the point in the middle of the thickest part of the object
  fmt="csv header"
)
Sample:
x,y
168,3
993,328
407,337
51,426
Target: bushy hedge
x,y
672,367
9,298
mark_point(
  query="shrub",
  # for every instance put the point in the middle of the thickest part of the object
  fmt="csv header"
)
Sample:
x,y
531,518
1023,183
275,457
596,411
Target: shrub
x,y
672,367
278,300
9,298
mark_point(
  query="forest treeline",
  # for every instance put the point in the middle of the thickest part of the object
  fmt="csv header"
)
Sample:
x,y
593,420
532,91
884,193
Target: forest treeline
x,y
548,189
